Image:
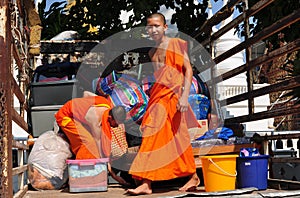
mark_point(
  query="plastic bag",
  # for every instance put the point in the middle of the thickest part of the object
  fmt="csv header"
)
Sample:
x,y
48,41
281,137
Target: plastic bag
x,y
47,162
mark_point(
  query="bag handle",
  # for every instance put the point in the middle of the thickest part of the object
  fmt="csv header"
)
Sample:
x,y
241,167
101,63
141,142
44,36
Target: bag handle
x,y
225,172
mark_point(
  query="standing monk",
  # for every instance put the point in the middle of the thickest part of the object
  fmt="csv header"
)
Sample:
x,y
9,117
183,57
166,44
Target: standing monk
x,y
166,152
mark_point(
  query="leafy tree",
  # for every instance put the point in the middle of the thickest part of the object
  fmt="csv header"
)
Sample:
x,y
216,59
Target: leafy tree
x,y
54,20
106,15
269,15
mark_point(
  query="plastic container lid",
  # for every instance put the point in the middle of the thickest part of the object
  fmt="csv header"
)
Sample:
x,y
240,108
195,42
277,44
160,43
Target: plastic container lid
x,y
255,157
87,161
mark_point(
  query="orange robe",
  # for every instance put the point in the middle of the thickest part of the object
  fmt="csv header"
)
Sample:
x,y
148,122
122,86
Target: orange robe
x,y
166,152
71,119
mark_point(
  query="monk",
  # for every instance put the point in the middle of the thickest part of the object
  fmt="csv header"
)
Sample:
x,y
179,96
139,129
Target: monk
x,y
166,152
87,124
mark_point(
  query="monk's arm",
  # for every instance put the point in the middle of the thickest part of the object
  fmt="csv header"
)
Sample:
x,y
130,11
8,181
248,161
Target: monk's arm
x,y
94,120
88,94
183,100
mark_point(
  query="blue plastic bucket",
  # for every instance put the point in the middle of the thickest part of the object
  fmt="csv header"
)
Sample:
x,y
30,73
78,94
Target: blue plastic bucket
x,y
252,172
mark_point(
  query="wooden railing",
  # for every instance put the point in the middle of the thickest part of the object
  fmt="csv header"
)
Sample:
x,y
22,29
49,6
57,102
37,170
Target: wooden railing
x,y
10,58
250,64
14,80
20,171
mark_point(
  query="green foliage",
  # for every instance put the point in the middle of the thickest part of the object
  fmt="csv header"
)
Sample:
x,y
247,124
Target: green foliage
x,y
106,16
53,20
271,14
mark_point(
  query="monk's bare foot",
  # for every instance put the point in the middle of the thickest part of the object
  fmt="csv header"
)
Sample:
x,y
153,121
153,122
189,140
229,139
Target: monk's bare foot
x,y
143,189
191,185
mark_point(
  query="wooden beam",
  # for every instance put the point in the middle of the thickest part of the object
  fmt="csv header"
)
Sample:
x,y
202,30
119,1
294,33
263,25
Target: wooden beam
x,y
280,86
266,58
253,10
19,120
285,159
283,181
16,56
268,31
19,145
6,189
20,169
263,115
21,193
219,16
218,149
17,90
66,47
282,136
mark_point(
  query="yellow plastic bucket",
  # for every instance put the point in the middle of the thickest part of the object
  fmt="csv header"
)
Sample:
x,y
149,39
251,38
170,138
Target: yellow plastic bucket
x,y
219,172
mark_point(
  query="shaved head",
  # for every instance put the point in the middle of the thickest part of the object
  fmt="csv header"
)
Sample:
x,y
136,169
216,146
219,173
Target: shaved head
x,y
158,15
118,113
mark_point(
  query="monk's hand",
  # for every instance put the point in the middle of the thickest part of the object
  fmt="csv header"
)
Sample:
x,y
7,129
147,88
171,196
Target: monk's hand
x,y
119,179
182,104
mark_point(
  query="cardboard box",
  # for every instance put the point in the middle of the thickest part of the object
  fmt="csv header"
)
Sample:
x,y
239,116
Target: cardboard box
x,y
197,132
42,119
88,175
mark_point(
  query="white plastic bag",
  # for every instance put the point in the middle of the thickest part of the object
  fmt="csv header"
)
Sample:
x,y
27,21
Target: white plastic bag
x,y
47,162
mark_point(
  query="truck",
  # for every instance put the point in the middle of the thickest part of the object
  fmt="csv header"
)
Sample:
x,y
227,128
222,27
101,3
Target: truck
x,y
21,47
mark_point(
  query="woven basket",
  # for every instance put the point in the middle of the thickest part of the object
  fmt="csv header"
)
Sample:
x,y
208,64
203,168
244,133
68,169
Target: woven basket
x,y
119,144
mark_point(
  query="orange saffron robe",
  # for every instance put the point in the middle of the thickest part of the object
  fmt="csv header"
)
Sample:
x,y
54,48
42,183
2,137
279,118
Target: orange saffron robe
x,y
71,119
166,152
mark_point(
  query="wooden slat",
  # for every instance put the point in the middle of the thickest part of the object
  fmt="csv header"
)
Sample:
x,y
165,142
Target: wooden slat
x,y
272,29
65,47
19,145
253,10
16,56
19,93
280,86
219,16
17,90
218,149
263,115
19,120
282,181
266,58
21,193
285,160
20,169
259,36
282,136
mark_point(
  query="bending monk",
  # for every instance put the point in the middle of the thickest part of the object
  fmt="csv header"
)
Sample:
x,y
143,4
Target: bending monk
x,y
87,124
166,152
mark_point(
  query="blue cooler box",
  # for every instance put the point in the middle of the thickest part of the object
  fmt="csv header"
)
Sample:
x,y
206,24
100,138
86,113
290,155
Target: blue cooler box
x,y
252,171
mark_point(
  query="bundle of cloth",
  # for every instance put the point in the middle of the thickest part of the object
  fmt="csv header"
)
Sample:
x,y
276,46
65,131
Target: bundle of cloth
x,y
125,90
